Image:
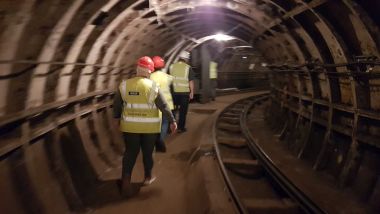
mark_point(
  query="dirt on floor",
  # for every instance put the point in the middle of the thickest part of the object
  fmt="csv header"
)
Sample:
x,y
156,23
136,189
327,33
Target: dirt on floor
x,y
188,177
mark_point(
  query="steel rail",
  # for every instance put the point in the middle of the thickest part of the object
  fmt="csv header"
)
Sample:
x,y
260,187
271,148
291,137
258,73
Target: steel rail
x,y
30,113
243,90
370,114
327,65
33,64
340,73
238,203
20,61
292,190
35,134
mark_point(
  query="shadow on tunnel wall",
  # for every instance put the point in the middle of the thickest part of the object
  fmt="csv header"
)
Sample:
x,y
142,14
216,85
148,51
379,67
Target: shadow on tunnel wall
x,y
243,80
85,167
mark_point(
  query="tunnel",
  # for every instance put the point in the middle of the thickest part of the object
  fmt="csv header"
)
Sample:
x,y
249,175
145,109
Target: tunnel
x,y
62,60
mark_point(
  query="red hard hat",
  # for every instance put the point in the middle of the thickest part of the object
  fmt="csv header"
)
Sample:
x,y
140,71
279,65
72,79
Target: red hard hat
x,y
158,62
146,62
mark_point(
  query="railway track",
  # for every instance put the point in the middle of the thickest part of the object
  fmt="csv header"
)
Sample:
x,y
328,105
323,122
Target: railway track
x,y
254,182
230,91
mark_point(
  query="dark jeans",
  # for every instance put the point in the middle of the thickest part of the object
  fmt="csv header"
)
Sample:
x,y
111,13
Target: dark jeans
x,y
213,85
164,129
133,143
181,102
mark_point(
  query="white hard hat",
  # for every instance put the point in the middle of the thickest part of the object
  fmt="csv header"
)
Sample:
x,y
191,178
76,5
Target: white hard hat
x,y
184,55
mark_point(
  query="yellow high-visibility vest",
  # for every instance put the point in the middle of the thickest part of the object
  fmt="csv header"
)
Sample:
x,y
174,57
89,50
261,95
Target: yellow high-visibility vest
x,y
213,70
163,81
140,114
180,72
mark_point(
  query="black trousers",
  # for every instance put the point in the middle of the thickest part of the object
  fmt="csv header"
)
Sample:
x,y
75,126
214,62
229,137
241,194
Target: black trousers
x,y
213,85
181,102
133,143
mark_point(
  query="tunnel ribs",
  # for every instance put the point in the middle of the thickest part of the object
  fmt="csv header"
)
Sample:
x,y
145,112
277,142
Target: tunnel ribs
x,y
60,58
346,127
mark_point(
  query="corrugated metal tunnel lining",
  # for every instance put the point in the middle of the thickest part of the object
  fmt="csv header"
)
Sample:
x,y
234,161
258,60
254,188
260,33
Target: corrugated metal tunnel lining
x,y
61,60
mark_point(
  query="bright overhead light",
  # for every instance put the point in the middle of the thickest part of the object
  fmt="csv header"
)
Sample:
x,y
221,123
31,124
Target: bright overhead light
x,y
208,1
244,57
222,37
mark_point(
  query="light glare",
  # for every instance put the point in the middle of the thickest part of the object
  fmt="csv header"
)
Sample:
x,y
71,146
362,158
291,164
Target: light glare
x,y
222,37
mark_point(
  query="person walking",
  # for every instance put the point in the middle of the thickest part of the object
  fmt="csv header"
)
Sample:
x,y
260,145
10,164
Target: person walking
x,y
136,103
183,87
164,81
213,74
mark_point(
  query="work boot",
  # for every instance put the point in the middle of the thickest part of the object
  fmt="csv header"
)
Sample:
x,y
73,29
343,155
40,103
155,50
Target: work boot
x,y
160,147
126,186
149,180
181,130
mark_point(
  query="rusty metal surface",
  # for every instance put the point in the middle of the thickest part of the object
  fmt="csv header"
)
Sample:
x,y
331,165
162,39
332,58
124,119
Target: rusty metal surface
x,y
332,135
61,60
64,152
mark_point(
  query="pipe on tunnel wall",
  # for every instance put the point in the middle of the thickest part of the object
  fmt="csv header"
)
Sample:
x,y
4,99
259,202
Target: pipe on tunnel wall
x,y
56,117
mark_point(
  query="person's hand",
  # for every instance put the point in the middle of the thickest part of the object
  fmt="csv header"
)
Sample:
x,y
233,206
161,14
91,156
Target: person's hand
x,y
191,95
173,127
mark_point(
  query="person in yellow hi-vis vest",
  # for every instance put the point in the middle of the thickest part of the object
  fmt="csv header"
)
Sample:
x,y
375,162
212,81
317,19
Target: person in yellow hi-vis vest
x,y
213,72
164,81
183,87
137,104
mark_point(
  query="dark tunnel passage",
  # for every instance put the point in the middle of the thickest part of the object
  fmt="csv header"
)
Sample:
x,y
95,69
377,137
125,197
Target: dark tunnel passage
x,y
61,61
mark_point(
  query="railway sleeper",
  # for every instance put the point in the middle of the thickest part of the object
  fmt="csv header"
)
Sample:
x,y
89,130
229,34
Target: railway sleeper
x,y
242,105
245,167
229,127
235,110
272,206
229,114
231,120
235,142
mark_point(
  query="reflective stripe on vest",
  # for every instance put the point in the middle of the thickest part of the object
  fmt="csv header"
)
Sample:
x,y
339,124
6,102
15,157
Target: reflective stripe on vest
x,y
163,81
140,114
180,72
213,70
181,84
140,106
142,120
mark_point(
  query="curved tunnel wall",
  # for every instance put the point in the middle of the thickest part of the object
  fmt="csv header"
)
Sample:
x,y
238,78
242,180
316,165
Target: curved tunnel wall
x,y
331,111
61,60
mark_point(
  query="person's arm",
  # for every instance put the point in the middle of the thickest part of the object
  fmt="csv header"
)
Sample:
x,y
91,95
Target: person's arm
x,y
117,105
117,108
191,83
166,112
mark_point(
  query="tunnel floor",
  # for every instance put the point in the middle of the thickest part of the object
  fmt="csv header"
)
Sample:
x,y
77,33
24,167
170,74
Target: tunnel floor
x,y
188,178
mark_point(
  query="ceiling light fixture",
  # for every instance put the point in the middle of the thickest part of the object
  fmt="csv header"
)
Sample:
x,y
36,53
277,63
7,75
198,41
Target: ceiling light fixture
x,y
222,37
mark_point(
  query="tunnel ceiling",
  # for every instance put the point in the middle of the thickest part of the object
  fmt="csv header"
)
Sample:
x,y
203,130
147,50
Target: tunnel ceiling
x,y
58,49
